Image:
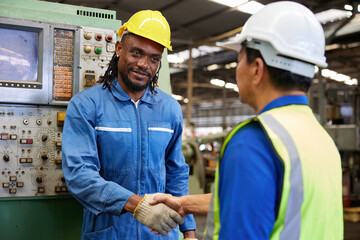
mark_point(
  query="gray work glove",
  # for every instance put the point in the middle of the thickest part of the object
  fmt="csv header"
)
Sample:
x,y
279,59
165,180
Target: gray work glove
x,y
159,217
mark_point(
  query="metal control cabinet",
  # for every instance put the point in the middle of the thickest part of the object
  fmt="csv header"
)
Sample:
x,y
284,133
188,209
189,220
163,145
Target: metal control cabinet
x,y
74,47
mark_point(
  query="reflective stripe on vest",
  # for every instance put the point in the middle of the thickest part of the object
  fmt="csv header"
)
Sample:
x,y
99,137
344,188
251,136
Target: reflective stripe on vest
x,y
296,197
311,200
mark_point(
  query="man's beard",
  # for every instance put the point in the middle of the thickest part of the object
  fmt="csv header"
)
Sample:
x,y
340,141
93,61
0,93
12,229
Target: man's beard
x,y
130,85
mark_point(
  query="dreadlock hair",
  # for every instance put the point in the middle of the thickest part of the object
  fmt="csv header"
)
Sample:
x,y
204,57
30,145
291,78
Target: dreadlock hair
x,y
112,71
281,79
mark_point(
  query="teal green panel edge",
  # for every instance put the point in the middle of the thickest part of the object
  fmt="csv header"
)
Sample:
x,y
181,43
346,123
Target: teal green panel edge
x,y
41,219
57,13
164,74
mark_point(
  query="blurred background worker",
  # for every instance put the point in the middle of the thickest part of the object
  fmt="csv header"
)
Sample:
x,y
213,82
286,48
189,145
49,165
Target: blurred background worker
x,y
122,140
280,173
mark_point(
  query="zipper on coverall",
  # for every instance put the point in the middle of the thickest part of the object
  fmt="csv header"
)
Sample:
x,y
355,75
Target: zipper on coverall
x,y
138,155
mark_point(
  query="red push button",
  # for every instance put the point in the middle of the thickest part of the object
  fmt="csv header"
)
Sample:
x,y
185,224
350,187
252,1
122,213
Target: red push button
x,y
98,36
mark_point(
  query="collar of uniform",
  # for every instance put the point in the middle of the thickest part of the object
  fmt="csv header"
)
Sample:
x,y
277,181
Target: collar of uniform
x,y
120,94
285,100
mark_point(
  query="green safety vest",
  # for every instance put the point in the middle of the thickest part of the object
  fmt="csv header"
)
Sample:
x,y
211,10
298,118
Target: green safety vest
x,y
311,199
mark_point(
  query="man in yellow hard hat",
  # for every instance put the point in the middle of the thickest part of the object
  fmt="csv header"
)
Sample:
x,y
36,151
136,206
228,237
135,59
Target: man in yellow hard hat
x,y
279,175
122,142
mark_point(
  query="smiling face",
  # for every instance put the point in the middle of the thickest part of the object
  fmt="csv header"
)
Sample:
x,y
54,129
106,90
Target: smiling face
x,y
139,59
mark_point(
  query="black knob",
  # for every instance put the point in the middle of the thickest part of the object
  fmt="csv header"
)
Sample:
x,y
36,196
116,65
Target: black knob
x,y
6,158
39,179
44,137
44,157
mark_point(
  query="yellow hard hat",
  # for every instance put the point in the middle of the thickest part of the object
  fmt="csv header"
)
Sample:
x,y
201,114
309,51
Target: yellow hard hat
x,y
149,24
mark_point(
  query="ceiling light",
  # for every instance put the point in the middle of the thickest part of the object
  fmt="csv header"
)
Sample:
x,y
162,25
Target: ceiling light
x,y
172,58
233,64
217,82
332,15
232,86
182,56
231,3
327,73
213,67
186,100
353,81
250,7
348,7
177,97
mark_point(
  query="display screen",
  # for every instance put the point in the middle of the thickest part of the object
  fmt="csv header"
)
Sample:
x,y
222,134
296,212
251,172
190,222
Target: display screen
x,y
18,55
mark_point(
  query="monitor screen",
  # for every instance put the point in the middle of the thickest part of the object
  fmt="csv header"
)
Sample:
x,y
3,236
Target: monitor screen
x,y
18,55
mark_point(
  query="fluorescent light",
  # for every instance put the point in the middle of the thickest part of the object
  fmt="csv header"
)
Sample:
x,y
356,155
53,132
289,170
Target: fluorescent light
x,y
231,3
182,56
212,67
327,73
177,97
332,15
348,7
217,82
232,86
173,58
250,7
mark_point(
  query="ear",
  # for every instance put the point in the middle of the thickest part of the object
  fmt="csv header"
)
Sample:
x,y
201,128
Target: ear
x,y
258,68
118,47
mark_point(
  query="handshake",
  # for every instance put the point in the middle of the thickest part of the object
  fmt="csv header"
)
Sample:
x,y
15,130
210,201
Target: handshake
x,y
159,217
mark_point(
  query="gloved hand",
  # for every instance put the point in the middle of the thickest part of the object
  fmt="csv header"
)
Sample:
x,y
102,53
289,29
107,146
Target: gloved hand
x,y
159,217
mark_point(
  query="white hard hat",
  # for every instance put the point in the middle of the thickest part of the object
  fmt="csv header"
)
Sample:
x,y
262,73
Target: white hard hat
x,y
283,32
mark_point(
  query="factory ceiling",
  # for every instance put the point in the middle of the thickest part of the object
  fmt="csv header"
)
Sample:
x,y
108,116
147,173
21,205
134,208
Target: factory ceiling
x,y
200,23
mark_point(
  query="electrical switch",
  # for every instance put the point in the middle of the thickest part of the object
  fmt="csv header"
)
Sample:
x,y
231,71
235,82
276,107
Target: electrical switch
x,y
60,119
98,36
58,161
39,180
97,50
4,136
41,189
44,157
108,38
44,138
6,158
12,190
89,78
87,48
13,178
87,35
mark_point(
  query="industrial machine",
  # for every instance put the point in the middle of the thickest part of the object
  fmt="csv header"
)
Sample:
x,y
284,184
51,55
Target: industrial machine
x,y
48,53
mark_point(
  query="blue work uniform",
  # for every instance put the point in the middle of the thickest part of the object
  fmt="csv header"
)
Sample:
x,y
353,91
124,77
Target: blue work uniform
x,y
113,149
250,181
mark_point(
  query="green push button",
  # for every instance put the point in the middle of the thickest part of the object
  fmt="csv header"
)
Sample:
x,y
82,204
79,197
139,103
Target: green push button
x,y
98,50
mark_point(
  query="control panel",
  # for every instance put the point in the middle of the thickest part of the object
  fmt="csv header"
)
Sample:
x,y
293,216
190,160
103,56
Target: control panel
x,y
30,151
97,46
